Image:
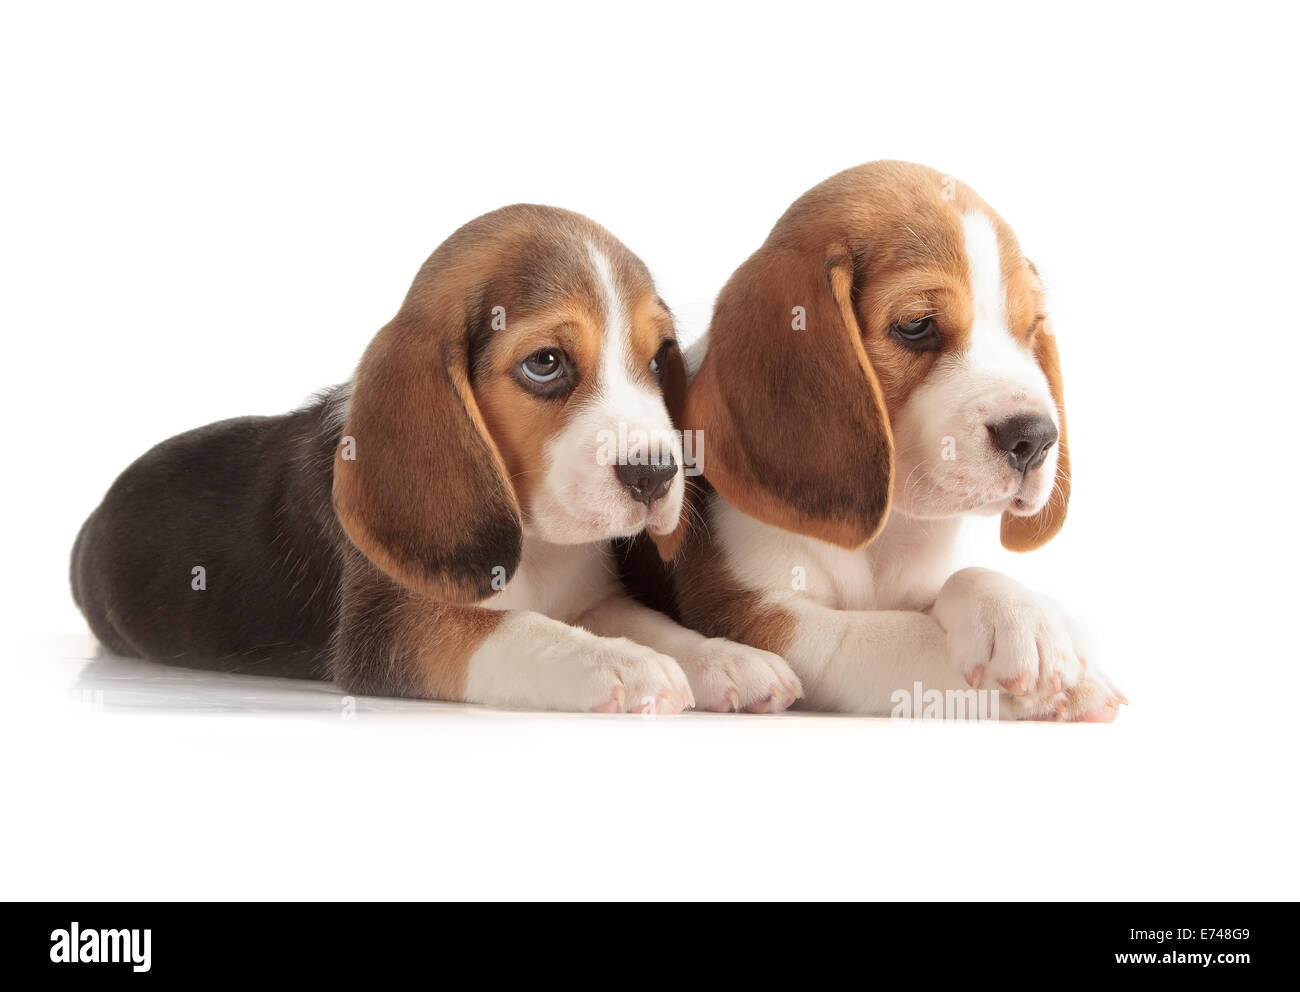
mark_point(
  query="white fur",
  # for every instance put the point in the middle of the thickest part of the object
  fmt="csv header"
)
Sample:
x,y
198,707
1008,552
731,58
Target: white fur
x,y
855,640
723,675
338,404
532,661
693,356
560,580
872,622
572,640
580,498
946,461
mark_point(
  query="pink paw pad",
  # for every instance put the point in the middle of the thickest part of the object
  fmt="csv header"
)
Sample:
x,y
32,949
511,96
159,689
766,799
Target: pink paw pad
x,y
1106,714
729,704
1019,686
670,702
612,705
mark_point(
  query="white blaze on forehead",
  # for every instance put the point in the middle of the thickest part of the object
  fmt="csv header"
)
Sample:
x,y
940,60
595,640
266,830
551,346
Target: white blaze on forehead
x,y
614,344
623,416
616,388
994,348
985,264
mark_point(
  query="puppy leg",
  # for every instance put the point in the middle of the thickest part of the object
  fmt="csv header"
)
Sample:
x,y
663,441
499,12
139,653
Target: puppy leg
x,y
1002,634
724,676
534,662
847,662
394,642
857,661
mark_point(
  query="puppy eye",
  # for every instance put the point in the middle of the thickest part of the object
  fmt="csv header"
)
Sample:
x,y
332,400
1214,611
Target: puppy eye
x,y
547,372
920,334
661,356
544,366
914,330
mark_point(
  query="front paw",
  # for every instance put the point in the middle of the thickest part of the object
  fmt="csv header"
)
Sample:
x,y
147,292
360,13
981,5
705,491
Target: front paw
x,y
1002,634
727,677
621,676
1093,699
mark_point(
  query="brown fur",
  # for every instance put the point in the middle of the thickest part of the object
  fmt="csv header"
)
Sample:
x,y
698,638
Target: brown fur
x,y
1029,533
392,641
425,420
762,386
365,568
436,412
710,600
520,424
796,422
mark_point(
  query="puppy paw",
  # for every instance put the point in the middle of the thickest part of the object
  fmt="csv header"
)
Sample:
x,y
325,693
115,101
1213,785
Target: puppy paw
x,y
727,677
625,677
1093,699
1002,635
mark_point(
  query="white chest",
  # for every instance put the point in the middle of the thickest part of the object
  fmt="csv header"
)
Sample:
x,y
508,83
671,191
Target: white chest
x,y
902,569
559,580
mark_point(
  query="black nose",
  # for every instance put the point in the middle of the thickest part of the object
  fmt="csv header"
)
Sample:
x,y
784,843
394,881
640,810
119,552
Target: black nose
x,y
646,483
1025,438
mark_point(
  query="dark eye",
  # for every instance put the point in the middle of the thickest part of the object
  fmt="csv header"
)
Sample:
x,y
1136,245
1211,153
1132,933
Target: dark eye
x,y
547,372
919,334
545,366
661,356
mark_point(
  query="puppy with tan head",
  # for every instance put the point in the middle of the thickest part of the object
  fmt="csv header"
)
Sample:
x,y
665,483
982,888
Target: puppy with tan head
x,y
881,367
441,526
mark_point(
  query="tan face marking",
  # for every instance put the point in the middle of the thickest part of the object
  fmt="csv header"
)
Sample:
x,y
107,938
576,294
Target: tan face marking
x,y
448,443
920,269
955,426
869,249
521,422
607,324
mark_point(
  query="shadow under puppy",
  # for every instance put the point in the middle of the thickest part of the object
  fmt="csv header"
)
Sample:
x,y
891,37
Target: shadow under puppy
x,y
441,526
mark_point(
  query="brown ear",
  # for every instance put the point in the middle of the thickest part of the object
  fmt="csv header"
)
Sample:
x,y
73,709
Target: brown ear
x,y
422,490
674,389
794,426
673,385
1028,533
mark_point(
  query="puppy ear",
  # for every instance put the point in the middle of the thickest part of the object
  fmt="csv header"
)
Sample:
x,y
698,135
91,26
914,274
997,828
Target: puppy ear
x,y
419,485
673,385
793,422
674,390
1028,533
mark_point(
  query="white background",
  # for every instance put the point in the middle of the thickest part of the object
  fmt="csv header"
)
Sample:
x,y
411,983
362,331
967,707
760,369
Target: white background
x,y
207,211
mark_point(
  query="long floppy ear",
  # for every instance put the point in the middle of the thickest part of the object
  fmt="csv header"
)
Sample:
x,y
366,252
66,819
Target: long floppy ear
x,y
673,385
674,389
1028,533
794,428
419,485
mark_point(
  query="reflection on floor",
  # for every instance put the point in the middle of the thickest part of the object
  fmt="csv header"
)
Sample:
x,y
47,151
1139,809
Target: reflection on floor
x,y
112,683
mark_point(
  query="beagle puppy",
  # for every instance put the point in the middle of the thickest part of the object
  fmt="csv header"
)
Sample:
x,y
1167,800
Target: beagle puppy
x,y
440,527
881,367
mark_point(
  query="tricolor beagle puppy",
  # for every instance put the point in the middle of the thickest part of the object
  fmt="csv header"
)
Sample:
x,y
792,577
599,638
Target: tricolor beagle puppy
x,y
441,526
882,366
